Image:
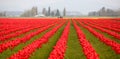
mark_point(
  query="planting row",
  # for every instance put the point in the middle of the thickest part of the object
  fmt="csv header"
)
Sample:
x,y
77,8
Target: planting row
x,y
114,45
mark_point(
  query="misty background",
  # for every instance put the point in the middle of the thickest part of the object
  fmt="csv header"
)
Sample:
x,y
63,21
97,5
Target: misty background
x,y
83,7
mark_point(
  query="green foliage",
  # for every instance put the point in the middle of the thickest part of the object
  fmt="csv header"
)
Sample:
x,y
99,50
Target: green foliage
x,y
44,52
10,52
74,50
104,51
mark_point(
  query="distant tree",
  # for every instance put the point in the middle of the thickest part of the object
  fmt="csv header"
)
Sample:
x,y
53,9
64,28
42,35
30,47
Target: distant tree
x,y
49,11
117,13
64,12
3,14
103,9
57,13
52,13
105,12
44,11
102,12
30,13
34,11
109,12
27,14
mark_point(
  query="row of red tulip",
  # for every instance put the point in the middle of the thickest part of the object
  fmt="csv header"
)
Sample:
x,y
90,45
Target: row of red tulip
x,y
2,33
108,23
7,27
111,28
103,26
117,19
3,38
88,50
116,35
17,33
23,25
13,43
115,46
26,52
60,47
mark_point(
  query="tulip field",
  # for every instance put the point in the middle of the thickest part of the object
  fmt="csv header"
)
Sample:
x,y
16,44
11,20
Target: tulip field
x,y
59,38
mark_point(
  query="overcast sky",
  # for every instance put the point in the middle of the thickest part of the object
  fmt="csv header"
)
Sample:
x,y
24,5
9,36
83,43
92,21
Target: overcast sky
x,y
83,6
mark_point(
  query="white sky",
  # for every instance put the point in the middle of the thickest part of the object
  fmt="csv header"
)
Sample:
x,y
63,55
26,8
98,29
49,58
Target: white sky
x,y
83,6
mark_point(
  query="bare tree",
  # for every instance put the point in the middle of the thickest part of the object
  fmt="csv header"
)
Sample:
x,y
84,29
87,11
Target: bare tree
x,y
64,12
57,13
49,11
44,11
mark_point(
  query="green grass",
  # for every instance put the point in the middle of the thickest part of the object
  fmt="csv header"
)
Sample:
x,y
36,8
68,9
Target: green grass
x,y
9,52
104,51
44,52
108,36
74,49
19,36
